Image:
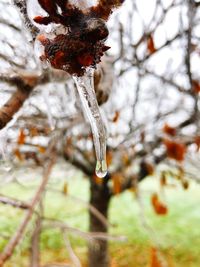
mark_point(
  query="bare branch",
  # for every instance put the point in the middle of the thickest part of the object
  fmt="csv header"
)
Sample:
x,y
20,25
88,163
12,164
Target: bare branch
x,y
7,23
22,6
35,240
86,235
13,105
13,202
72,254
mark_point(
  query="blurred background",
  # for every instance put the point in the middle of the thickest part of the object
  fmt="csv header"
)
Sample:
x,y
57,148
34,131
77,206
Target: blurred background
x,y
54,210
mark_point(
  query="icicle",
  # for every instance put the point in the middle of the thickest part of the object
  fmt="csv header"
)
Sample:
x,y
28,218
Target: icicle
x,y
85,86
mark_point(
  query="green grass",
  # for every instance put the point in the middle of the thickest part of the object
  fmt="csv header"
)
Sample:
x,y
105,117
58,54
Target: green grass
x,y
178,233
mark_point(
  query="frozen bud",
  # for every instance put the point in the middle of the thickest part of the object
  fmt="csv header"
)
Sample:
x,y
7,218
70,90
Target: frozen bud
x,y
95,29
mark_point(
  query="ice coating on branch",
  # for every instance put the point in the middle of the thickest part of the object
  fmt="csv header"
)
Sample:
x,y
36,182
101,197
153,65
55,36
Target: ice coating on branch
x,y
85,86
83,4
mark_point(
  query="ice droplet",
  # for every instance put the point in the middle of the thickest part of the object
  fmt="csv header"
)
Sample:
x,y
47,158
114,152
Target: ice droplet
x,y
101,168
85,87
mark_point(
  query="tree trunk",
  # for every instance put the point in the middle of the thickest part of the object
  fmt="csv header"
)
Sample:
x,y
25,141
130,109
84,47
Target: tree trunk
x,y
99,198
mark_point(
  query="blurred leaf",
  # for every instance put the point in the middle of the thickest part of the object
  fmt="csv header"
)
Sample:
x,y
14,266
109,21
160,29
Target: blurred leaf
x,y
150,45
195,86
185,184
41,149
125,159
155,262
21,137
163,179
18,154
65,188
109,157
117,182
149,168
180,174
33,131
169,130
197,142
159,207
116,117
175,150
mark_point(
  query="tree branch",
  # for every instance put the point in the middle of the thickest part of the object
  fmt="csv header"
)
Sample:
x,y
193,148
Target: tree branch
x,y
14,202
13,105
22,6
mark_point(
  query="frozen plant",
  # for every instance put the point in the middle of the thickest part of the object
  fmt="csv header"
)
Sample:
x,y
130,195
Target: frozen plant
x,y
74,41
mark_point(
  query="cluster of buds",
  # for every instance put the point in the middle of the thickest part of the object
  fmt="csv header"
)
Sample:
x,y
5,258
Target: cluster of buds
x,y
75,51
83,43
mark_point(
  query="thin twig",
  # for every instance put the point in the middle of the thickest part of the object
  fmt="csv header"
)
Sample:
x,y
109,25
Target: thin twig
x,y
35,240
14,202
72,254
86,235
22,6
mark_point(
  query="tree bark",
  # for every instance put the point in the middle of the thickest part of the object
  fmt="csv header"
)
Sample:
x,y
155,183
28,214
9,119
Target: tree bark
x,y
99,198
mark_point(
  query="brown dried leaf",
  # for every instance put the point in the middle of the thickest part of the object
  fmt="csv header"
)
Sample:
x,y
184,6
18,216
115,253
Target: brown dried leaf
x,y
21,137
159,207
117,180
149,168
169,130
196,86
155,262
18,154
125,159
197,142
185,184
150,45
109,157
33,131
116,117
163,179
65,188
175,150
41,149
